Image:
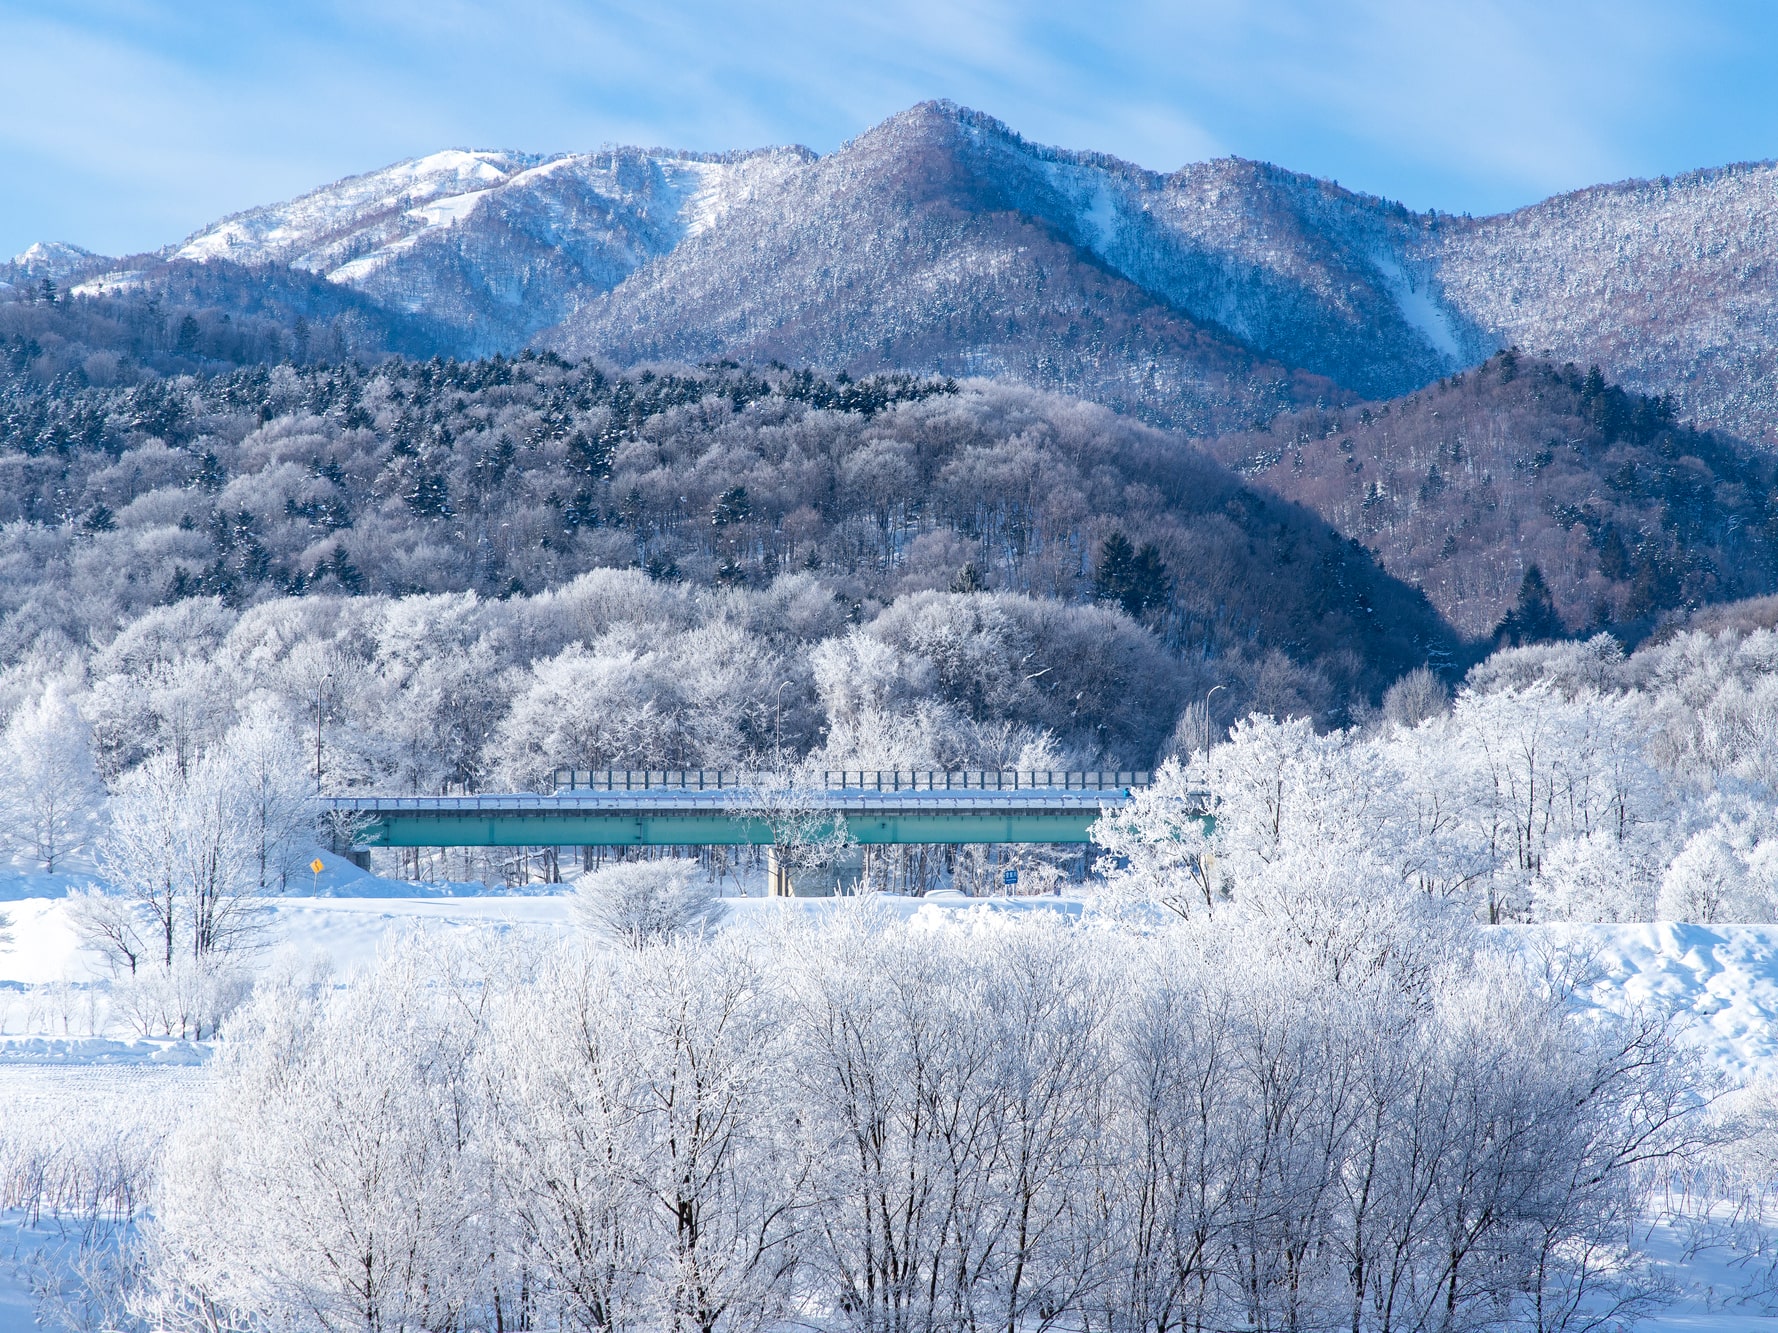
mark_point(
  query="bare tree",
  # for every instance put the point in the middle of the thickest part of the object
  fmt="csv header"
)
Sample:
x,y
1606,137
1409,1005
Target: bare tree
x,y
183,854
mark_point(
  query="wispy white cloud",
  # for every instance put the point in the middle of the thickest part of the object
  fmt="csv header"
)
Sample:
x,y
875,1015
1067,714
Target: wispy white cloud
x,y
126,123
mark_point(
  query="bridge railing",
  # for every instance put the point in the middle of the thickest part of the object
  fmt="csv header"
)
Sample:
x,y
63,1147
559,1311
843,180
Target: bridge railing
x,y
851,779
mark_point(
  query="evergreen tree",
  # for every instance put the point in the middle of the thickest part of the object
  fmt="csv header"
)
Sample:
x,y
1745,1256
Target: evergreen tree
x,y
1136,580
731,507
1534,619
969,579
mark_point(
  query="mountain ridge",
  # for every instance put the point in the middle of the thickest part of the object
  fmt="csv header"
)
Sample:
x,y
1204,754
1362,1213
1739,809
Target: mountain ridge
x,y
928,244
1193,297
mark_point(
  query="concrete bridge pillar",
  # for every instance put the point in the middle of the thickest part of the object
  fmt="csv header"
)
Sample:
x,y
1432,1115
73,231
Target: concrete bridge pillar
x,y
777,875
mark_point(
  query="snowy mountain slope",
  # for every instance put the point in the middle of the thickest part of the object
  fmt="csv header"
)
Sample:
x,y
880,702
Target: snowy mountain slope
x,y
1723,980
1311,274
880,255
498,244
56,260
942,240
936,242
328,227
1670,285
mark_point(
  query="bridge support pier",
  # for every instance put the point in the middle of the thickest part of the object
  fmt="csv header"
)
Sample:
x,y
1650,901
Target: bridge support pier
x,y
777,876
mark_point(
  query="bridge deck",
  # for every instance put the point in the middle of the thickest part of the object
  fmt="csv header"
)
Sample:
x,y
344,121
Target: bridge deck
x,y
680,816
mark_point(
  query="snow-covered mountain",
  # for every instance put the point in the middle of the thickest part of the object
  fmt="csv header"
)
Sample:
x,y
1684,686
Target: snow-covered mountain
x,y
499,244
1669,285
941,240
878,255
56,260
937,243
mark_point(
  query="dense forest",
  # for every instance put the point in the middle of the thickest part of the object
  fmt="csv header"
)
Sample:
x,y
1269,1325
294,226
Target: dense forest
x,y
1461,489
184,318
507,477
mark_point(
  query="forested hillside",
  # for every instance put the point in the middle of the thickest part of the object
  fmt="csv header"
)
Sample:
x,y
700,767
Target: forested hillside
x,y
1461,489
1666,284
504,477
185,317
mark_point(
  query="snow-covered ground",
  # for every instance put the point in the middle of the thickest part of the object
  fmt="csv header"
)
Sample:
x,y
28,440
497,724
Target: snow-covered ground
x,y
1723,977
122,1106
64,1061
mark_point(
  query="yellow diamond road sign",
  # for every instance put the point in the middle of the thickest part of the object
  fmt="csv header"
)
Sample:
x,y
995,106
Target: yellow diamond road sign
x,y
316,865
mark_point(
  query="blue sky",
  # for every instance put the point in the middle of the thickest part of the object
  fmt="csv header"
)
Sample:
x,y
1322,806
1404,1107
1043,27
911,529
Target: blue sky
x,y
125,124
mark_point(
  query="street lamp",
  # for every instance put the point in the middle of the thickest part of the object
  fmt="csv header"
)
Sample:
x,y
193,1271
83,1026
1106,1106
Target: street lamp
x,y
318,693
778,728
1212,690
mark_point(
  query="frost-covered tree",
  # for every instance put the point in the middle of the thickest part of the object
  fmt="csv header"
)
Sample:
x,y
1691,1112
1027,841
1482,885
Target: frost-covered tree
x,y
1162,852
181,895
998,1120
1520,802
640,903
1728,869
335,1179
1415,698
951,1092
262,760
637,1132
183,855
1598,877
616,705
52,798
792,808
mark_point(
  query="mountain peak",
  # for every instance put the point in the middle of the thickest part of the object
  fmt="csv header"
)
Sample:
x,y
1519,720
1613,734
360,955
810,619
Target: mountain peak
x,y
941,239
55,260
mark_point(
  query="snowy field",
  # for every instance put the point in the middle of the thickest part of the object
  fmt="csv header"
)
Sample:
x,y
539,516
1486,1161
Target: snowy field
x,y
1723,977
70,1068
91,1096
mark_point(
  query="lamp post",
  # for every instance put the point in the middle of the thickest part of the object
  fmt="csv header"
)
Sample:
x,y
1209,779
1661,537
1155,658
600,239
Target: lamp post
x,y
1212,690
319,690
778,728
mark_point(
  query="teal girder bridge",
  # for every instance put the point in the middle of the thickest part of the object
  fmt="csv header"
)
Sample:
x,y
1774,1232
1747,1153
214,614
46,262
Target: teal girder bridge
x,y
714,809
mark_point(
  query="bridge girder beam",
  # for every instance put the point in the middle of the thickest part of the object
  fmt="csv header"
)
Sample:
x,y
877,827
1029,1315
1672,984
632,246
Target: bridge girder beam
x,y
677,828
